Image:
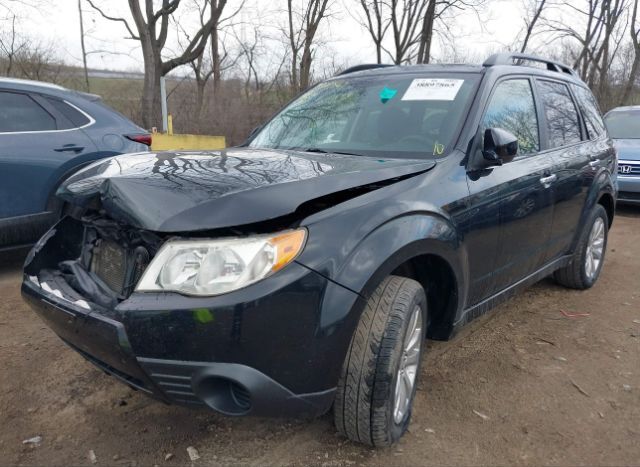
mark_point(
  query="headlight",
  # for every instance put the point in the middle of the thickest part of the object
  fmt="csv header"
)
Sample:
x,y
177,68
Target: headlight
x,y
214,267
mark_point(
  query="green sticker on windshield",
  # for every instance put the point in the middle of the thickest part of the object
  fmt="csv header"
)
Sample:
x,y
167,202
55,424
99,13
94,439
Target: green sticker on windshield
x,y
387,94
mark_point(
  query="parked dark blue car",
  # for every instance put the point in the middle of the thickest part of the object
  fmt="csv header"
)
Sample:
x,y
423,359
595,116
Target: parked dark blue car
x,y
624,127
47,133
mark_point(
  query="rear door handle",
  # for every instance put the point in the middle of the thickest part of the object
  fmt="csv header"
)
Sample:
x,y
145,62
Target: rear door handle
x,y
547,181
72,148
594,164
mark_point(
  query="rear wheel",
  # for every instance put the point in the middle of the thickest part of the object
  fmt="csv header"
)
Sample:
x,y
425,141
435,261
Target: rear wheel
x,y
585,267
378,382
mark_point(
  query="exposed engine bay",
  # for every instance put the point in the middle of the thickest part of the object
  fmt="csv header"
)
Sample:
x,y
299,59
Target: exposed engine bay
x,y
92,260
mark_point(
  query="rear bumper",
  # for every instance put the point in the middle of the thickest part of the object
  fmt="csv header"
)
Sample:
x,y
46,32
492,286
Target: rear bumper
x,y
228,384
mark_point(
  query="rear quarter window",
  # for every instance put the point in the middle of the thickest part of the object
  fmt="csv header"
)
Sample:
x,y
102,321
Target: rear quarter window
x,y
75,117
590,112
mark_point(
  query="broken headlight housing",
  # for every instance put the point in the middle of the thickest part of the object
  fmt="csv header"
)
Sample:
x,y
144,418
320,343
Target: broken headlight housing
x,y
214,267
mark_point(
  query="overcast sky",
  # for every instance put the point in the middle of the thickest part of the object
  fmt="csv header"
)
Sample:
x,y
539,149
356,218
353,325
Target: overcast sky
x,y
57,22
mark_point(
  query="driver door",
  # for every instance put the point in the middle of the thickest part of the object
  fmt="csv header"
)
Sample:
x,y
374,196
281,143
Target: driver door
x,y
519,192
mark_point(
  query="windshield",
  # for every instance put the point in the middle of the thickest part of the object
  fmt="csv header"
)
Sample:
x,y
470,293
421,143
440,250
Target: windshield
x,y
392,115
623,124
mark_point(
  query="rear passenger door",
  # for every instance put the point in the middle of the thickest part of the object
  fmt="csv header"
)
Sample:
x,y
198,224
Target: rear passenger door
x,y
519,190
575,161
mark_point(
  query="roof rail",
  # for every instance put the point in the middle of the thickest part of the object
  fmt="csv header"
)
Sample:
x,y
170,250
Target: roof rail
x,y
517,58
370,66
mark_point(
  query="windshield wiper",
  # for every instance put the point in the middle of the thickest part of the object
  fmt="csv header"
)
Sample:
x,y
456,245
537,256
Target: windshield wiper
x,y
324,151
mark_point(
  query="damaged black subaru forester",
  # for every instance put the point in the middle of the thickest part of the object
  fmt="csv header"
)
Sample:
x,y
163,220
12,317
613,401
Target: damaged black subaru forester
x,y
303,270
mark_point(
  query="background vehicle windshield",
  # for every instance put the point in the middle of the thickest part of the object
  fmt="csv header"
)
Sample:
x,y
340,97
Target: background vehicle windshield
x,y
623,124
391,116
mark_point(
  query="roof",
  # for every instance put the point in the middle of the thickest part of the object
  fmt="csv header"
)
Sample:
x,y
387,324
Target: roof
x,y
511,62
625,108
28,82
368,70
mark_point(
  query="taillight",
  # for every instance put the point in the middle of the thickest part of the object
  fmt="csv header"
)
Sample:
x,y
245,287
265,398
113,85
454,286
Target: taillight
x,y
144,138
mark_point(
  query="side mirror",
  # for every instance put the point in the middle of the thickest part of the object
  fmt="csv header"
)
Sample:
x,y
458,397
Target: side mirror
x,y
500,146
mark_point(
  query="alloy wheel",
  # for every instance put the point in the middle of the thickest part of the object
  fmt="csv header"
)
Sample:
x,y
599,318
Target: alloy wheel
x,y
408,369
595,249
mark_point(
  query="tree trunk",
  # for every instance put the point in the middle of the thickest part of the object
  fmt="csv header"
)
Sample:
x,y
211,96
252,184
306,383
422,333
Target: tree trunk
x,y
294,49
426,36
633,76
150,108
305,67
84,51
215,61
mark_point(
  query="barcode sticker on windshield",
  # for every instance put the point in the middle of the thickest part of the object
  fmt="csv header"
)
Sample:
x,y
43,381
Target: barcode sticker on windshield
x,y
432,89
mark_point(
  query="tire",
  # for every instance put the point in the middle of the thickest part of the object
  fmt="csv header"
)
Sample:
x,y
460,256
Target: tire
x,y
578,274
364,408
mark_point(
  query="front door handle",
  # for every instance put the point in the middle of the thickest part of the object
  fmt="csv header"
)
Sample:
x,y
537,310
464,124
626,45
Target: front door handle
x,y
547,181
69,147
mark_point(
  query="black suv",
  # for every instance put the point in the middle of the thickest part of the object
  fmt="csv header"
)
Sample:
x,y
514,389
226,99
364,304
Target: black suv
x,y
304,269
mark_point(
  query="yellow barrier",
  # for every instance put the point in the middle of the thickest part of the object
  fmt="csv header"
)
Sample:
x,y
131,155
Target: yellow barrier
x,y
169,142
163,142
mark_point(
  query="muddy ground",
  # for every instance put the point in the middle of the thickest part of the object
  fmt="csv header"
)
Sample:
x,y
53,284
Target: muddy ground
x,y
525,384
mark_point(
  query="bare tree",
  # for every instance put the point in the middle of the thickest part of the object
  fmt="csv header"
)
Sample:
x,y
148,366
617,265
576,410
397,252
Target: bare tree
x,y
426,35
411,23
301,33
375,22
151,29
84,50
406,18
536,7
219,52
634,31
598,28
11,45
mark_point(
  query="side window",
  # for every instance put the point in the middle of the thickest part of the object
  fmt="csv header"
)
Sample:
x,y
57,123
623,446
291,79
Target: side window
x,y
513,108
563,126
76,117
590,112
18,112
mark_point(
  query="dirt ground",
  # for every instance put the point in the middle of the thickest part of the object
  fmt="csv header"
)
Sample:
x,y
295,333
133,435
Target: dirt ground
x,y
525,384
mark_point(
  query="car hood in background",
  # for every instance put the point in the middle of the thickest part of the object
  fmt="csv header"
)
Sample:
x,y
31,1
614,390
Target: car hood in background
x,y
191,191
628,149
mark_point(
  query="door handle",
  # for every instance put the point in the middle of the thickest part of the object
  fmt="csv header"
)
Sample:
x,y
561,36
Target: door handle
x,y
547,181
594,164
66,148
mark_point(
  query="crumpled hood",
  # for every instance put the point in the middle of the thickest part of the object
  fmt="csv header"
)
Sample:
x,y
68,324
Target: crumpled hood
x,y
628,149
191,191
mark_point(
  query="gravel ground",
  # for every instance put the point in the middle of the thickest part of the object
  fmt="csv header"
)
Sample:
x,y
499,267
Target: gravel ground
x,y
524,384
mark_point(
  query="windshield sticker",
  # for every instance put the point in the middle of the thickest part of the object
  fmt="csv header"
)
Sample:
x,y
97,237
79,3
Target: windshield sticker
x,y
432,89
387,94
438,149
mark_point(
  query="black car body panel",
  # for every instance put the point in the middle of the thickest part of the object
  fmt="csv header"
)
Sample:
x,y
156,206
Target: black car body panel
x,y
176,192
474,233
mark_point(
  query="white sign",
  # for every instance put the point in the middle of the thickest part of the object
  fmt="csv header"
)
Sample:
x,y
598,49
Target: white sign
x,y
432,89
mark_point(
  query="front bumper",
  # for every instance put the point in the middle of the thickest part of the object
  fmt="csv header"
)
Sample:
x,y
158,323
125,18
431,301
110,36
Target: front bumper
x,y
259,351
629,189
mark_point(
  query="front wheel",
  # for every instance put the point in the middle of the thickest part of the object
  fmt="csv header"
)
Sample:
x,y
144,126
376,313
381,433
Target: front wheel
x,y
378,382
588,258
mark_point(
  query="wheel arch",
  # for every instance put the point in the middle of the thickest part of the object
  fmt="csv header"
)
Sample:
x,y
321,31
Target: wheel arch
x,y
423,247
607,201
